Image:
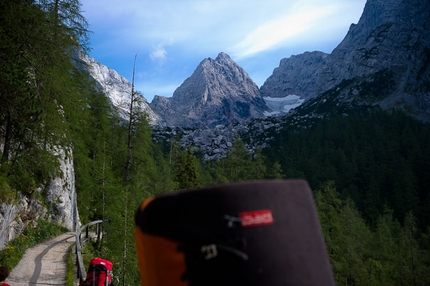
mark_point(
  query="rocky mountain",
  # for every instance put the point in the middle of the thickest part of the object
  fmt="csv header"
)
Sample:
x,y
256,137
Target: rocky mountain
x,y
391,42
295,75
117,88
219,92
383,60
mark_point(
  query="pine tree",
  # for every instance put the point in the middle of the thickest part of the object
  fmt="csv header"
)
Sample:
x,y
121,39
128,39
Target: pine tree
x,y
238,162
186,170
328,205
355,245
40,89
275,171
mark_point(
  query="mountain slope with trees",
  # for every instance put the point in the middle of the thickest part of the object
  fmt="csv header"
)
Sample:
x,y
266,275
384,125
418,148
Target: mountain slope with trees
x,y
369,168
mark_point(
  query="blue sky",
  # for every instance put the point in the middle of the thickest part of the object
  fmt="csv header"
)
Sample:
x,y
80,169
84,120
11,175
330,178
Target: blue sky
x,y
171,37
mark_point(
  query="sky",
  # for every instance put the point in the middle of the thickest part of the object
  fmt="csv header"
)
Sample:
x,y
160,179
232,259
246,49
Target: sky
x,y
171,37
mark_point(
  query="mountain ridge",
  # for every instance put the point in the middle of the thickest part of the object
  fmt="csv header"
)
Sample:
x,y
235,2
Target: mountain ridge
x,y
117,88
390,35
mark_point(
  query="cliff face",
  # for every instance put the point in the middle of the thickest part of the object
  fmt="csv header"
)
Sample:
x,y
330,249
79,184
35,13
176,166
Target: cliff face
x,y
218,92
295,75
391,37
59,205
117,88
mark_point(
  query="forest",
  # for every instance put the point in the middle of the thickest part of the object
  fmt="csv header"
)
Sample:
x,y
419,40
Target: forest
x,y
369,171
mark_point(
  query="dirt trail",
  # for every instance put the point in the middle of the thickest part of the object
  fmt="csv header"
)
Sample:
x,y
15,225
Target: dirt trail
x,y
44,264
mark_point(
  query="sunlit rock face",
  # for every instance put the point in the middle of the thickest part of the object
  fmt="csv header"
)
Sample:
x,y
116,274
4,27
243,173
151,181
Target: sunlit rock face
x,y
296,75
61,193
117,88
392,38
59,204
219,92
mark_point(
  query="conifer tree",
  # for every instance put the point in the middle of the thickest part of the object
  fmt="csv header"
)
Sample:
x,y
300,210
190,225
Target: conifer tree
x,y
275,171
238,162
258,165
186,170
40,90
355,241
328,205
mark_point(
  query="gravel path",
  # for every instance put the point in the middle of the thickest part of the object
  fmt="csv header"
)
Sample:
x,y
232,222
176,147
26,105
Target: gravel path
x,y
44,264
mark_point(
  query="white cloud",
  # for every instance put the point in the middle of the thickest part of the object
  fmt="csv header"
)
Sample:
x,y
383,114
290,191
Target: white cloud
x,y
174,36
286,28
158,54
240,27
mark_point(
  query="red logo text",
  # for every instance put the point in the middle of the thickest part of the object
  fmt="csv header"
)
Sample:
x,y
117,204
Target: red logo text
x,y
256,218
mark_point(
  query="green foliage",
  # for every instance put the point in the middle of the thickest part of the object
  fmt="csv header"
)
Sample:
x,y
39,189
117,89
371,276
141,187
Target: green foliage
x,y
41,89
391,254
186,170
32,235
6,192
241,165
71,275
376,158
275,171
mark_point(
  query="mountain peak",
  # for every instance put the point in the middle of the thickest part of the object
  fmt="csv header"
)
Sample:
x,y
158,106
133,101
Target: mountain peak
x,y
384,56
223,57
218,92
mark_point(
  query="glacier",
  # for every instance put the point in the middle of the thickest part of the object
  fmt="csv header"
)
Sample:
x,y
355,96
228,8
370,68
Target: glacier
x,y
280,105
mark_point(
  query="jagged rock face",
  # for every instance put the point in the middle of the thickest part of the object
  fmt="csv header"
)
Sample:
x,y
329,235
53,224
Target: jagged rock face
x,y
295,75
391,35
15,217
117,88
219,92
61,193
59,205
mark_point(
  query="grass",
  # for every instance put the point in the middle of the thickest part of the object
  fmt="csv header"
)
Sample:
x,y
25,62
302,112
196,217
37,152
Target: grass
x,y
70,276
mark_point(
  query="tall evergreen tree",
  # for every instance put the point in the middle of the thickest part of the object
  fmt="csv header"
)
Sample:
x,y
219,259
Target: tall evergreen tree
x,y
238,162
41,89
186,170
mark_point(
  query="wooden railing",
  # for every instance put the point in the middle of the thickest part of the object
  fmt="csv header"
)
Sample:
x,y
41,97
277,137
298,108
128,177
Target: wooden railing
x,y
80,241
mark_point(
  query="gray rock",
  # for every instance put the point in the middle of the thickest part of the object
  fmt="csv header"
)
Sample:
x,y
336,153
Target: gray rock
x,y
391,35
295,75
60,199
117,88
219,92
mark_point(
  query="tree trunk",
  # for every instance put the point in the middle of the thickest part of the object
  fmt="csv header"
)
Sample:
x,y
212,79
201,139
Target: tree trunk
x,y
130,127
7,138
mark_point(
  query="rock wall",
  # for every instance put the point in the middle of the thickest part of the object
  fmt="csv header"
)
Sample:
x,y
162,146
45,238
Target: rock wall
x,y
59,206
295,75
391,35
117,88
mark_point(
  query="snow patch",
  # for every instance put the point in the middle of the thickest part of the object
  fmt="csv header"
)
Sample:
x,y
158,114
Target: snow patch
x,y
282,104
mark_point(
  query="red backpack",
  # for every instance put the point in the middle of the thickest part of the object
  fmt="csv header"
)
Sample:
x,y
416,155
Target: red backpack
x,y
99,273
